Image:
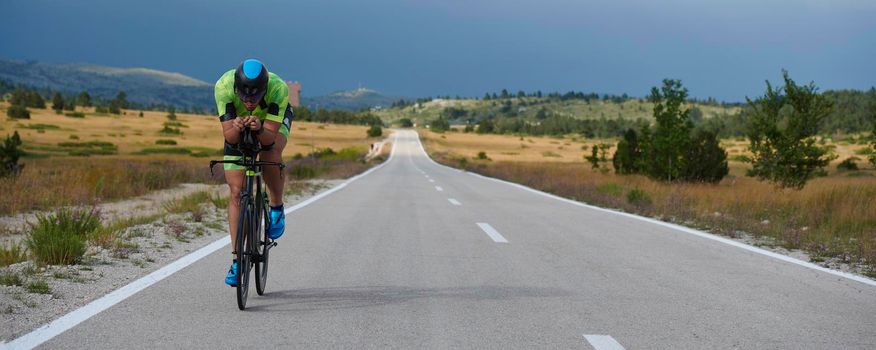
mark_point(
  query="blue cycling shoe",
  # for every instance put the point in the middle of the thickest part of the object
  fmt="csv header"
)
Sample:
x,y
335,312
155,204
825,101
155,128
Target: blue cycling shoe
x,y
278,222
231,278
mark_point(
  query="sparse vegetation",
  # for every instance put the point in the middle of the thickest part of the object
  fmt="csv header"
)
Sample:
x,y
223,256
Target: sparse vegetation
x,y
11,253
165,142
59,238
38,287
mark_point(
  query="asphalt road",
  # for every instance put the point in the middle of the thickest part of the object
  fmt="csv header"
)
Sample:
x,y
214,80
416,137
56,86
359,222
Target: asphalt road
x,y
415,255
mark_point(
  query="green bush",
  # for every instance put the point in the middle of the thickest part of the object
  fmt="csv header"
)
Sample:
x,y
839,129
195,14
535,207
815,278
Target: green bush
x,y
11,279
848,164
375,131
406,123
439,125
59,238
482,155
75,115
303,172
638,197
165,142
39,287
18,112
164,150
10,152
704,160
11,253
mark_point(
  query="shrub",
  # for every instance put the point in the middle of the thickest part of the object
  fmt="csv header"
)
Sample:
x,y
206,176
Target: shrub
x,y
704,160
59,238
79,115
375,131
638,197
18,112
482,155
10,152
165,142
11,253
439,125
406,123
11,279
848,164
303,171
39,287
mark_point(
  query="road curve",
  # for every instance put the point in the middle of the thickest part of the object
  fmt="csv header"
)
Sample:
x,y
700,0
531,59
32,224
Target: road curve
x,y
416,255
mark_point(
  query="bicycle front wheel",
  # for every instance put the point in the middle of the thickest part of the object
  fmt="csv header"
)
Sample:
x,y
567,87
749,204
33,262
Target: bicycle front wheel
x,y
244,253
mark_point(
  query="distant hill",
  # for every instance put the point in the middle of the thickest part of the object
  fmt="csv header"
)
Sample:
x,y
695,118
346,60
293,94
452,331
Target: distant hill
x,y
142,85
350,100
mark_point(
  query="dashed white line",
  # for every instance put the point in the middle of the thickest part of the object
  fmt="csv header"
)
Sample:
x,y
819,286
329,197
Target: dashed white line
x,y
453,201
490,231
439,189
603,342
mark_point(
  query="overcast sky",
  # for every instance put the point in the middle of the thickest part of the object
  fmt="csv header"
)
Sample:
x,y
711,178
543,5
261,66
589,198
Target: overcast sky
x,y
724,49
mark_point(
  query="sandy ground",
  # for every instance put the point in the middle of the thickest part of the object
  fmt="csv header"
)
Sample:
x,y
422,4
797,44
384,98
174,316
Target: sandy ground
x,y
147,248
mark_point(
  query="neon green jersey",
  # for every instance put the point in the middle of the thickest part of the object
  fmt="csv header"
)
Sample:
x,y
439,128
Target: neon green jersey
x,y
271,108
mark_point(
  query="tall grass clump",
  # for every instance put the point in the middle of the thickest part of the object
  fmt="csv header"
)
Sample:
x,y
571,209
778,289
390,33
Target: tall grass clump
x,y
11,253
59,238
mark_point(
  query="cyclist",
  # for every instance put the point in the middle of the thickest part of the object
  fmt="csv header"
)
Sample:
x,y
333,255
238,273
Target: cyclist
x,y
251,97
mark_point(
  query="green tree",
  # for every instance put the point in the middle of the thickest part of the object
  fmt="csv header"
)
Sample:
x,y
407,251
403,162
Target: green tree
x,y
58,102
375,131
10,152
873,131
439,125
593,158
18,112
406,123
35,100
84,99
672,132
486,126
122,100
782,129
628,157
705,160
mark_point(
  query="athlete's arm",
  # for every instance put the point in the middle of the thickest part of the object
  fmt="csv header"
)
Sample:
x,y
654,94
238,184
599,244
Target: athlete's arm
x,y
277,98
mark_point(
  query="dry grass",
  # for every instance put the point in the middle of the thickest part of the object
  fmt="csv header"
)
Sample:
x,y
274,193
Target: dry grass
x,y
48,183
51,177
132,134
832,217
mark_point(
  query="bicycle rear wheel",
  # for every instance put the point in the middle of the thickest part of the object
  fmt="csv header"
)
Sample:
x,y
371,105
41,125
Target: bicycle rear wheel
x,y
244,253
263,245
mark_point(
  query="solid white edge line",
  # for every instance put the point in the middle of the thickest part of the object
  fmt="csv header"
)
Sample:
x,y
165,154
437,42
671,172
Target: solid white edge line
x,y
490,231
603,342
678,228
439,189
454,201
75,317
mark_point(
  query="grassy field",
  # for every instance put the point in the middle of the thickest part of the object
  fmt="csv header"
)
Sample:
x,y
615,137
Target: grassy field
x,y
129,156
49,134
528,107
833,218
573,148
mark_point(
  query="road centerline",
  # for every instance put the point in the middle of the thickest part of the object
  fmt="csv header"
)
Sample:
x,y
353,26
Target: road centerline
x,y
439,189
490,231
603,342
454,201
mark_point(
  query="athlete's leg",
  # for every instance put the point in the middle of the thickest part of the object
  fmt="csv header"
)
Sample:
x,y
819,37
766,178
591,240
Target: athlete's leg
x,y
235,179
274,178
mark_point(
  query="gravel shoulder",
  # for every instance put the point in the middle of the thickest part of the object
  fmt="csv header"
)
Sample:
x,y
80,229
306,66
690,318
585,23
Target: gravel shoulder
x,y
32,295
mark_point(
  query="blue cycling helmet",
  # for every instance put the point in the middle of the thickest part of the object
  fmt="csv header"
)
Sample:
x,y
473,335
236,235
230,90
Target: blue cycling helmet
x,y
251,80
